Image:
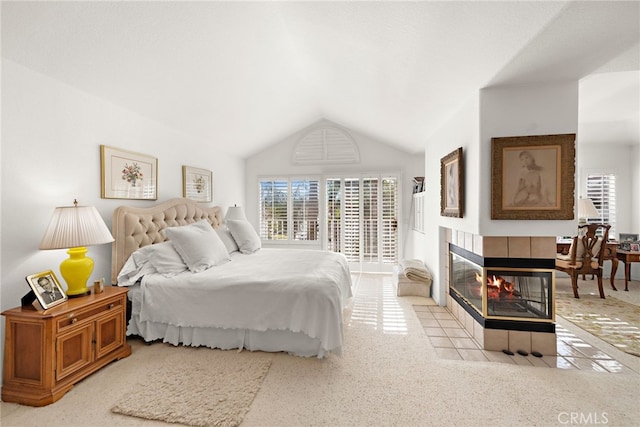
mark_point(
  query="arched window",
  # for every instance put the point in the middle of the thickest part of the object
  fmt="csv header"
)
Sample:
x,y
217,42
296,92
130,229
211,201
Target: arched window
x,y
326,144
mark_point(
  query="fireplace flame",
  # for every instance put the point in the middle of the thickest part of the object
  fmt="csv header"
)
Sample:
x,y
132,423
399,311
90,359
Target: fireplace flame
x,y
498,288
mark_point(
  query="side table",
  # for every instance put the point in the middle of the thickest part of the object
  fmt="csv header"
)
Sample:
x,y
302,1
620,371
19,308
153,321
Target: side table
x,y
47,351
627,257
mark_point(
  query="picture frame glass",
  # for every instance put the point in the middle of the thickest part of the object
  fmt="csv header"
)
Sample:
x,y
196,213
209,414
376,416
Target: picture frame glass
x,y
128,175
452,184
47,289
533,177
197,184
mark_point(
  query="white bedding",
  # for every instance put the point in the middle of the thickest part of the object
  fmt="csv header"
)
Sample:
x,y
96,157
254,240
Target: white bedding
x,y
281,292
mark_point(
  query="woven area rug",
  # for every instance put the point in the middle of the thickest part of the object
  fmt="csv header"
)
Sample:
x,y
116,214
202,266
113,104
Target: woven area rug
x,y
198,387
614,321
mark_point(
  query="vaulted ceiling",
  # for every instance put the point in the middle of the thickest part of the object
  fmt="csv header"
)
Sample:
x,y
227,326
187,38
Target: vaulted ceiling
x,y
251,73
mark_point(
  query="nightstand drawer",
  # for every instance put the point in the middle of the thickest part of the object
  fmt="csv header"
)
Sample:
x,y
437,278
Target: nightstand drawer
x,y
78,316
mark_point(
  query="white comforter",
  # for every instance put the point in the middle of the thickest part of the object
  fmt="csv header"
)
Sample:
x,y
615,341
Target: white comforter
x,y
272,289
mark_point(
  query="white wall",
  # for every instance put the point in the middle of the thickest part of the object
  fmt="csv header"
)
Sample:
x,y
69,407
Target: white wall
x,y
618,159
375,156
493,112
51,135
462,130
520,111
635,185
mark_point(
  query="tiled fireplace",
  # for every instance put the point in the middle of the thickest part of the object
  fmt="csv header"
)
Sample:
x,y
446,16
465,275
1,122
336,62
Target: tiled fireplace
x,y
502,289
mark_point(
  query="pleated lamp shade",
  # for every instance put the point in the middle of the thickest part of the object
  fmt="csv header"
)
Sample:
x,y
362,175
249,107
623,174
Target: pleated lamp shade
x,y
75,227
586,209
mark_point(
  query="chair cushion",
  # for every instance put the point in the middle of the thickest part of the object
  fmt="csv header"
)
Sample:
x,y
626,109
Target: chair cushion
x,y
566,263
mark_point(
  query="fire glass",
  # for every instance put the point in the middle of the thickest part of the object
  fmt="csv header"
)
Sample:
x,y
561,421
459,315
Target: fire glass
x,y
503,292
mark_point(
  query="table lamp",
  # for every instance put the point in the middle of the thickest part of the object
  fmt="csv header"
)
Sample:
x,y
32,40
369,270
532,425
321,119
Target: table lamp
x,y
235,212
586,209
75,227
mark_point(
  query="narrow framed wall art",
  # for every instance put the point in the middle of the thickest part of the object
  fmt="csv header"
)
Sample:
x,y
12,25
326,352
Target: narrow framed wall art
x,y
197,184
452,184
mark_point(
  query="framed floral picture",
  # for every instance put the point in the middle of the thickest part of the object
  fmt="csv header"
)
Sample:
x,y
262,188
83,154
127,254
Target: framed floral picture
x,y
47,289
197,184
533,177
128,175
452,184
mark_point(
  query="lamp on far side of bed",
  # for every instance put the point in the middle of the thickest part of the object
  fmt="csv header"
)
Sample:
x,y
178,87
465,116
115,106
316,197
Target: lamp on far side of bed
x,y
75,227
235,212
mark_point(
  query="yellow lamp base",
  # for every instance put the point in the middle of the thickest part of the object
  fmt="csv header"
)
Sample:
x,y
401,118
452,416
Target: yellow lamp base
x,y
76,271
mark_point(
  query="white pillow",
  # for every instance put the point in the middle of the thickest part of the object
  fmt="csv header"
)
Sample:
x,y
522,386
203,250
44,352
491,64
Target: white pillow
x,y
227,239
198,245
165,259
133,270
245,236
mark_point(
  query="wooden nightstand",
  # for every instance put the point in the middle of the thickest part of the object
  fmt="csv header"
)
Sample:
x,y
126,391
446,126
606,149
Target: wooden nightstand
x,y
47,352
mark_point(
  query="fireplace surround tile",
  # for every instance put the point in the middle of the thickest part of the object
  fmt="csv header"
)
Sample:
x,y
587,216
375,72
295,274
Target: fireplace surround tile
x,y
519,247
495,247
543,247
478,245
496,339
544,343
468,241
520,340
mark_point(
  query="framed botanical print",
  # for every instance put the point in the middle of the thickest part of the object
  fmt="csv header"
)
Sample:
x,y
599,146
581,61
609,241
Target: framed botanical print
x,y
452,184
533,177
197,184
128,175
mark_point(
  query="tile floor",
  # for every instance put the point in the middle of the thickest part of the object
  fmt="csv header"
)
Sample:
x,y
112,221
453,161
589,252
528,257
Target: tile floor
x,y
452,341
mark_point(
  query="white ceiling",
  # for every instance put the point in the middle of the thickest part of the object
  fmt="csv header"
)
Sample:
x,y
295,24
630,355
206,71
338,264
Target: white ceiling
x,y
251,73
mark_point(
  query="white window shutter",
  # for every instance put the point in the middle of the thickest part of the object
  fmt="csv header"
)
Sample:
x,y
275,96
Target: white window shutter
x,y
326,145
601,189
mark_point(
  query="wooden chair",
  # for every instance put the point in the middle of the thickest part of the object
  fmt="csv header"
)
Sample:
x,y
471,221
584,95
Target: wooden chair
x,y
585,255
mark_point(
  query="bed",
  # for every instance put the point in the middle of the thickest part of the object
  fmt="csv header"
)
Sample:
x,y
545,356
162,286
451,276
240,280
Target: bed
x,y
243,297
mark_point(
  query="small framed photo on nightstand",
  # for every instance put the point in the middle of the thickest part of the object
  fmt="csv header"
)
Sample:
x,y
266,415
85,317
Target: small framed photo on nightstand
x,y
47,289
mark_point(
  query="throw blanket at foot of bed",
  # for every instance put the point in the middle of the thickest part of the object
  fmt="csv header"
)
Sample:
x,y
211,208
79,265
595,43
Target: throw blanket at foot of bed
x,y
412,278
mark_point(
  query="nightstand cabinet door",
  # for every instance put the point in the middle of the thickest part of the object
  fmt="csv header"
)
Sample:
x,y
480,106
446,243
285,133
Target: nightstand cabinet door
x,y
73,351
47,351
109,334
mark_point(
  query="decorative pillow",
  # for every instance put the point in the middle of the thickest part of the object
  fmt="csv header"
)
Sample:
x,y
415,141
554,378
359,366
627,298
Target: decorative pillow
x,y
166,260
245,236
198,245
227,239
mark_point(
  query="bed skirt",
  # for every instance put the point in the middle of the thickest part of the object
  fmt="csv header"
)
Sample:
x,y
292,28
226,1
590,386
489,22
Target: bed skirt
x,y
295,343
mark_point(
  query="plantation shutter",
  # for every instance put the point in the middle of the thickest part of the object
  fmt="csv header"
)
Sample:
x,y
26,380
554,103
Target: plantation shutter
x,y
274,196
362,218
334,217
601,189
305,211
390,202
370,219
351,218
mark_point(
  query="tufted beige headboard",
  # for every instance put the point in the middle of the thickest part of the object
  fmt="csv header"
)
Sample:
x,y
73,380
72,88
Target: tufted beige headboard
x,y
134,228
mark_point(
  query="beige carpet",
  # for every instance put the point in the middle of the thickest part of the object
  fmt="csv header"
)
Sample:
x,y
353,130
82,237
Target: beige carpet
x,y
612,320
202,387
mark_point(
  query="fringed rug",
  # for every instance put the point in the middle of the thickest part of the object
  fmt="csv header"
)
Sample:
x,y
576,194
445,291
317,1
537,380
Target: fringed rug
x,y
614,321
198,387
